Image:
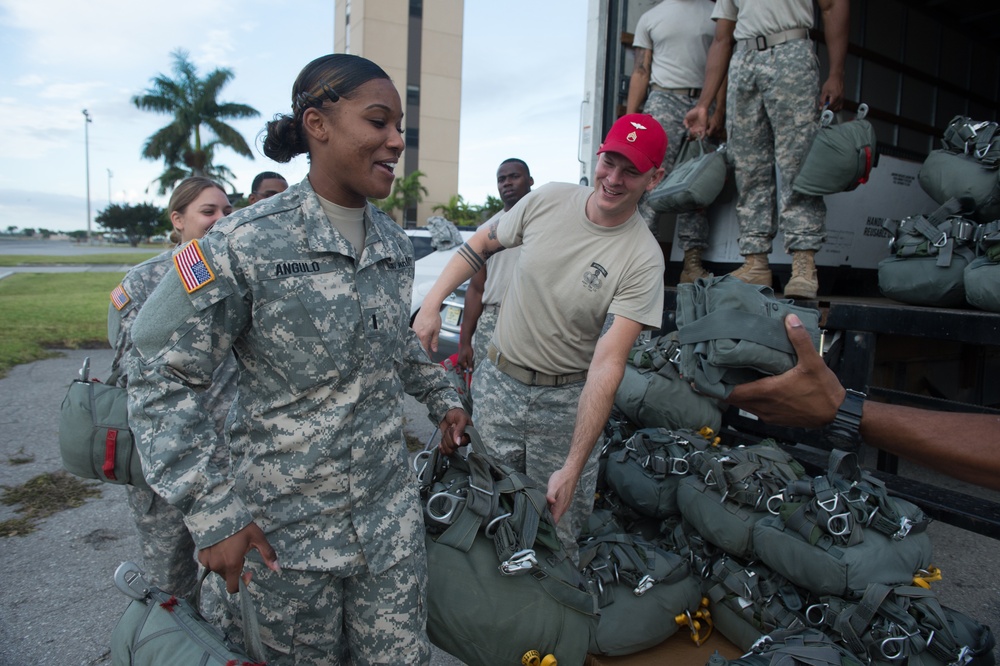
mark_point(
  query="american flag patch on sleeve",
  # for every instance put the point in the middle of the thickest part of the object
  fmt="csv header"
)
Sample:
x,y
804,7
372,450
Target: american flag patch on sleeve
x,y
119,297
194,271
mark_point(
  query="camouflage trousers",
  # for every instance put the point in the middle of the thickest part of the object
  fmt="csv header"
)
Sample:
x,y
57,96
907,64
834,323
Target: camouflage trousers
x,y
481,338
168,550
669,110
530,428
772,119
322,619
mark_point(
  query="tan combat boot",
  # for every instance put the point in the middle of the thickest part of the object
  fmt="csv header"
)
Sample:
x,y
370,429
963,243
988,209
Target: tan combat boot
x,y
803,283
755,270
692,266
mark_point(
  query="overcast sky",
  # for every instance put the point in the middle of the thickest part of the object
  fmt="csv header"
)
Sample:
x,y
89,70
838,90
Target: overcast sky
x,y
522,85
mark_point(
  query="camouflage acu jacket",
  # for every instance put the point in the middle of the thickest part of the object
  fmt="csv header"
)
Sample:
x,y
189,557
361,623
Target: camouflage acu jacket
x,y
325,350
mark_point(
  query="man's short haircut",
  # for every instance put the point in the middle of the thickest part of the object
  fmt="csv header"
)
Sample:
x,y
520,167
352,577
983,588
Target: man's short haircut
x,y
527,171
262,176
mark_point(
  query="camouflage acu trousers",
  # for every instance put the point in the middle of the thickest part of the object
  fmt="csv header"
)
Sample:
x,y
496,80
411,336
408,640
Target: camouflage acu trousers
x,y
481,340
168,551
669,110
772,119
321,619
530,428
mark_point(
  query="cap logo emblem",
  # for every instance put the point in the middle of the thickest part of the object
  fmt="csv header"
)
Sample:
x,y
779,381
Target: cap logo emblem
x,y
631,137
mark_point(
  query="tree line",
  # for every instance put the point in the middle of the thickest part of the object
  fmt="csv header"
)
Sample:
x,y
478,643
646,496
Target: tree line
x,y
199,129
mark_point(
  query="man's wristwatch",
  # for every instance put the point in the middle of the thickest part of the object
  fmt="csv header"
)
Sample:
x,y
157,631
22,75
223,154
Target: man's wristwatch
x,y
846,425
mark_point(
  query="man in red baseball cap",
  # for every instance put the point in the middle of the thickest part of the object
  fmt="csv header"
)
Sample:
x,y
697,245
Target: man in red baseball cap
x,y
588,281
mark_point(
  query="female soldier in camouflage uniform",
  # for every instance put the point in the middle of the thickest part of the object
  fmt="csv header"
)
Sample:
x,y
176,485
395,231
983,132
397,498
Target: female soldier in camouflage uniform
x,y
167,549
310,288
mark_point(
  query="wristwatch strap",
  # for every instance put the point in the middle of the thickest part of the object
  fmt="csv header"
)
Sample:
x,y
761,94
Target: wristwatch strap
x,y
846,425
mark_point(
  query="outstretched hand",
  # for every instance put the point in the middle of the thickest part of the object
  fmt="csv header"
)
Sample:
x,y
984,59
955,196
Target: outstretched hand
x,y
807,396
226,557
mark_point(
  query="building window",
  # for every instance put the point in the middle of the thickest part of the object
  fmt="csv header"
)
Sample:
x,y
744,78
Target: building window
x,y
417,8
413,94
412,137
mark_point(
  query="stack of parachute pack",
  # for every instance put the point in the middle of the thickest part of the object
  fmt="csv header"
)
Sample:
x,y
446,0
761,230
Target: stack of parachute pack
x,y
950,257
690,535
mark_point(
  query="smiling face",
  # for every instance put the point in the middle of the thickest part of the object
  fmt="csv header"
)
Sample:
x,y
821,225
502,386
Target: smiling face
x,y
354,144
618,187
197,218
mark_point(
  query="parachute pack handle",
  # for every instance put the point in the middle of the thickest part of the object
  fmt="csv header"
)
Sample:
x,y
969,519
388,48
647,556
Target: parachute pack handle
x,y
826,118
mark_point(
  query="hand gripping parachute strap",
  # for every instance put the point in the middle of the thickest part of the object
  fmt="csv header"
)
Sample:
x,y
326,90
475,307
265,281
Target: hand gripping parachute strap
x,y
896,623
732,332
762,598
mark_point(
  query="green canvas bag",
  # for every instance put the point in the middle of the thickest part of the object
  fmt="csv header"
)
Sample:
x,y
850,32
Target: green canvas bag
x,y
159,629
835,534
904,624
982,275
966,167
749,600
94,437
727,491
641,589
652,393
695,181
499,582
732,332
929,257
840,158
645,470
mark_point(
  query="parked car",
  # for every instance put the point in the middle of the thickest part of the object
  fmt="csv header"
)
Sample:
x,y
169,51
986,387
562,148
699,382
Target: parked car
x,y
427,267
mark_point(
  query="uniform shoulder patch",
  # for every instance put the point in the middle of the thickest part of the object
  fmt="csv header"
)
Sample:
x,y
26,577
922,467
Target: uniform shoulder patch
x,y
192,267
120,297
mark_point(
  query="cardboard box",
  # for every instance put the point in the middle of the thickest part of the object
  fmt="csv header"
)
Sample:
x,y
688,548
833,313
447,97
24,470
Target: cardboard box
x,y
678,650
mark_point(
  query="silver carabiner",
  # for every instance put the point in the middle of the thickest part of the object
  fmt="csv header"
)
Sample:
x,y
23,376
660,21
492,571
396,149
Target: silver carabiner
x,y
679,466
420,463
839,524
128,579
780,497
893,648
829,505
812,612
447,513
491,527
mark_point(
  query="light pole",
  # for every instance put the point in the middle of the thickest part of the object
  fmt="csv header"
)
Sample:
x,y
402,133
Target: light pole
x,y
109,185
86,152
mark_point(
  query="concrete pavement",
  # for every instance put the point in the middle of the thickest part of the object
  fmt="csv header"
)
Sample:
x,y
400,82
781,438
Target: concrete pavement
x,y
57,601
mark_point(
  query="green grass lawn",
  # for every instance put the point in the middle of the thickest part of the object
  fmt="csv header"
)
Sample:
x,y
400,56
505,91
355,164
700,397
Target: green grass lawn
x,y
44,311
123,258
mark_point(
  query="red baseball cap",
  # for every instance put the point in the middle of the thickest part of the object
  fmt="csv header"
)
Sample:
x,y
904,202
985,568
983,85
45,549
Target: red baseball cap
x,y
640,138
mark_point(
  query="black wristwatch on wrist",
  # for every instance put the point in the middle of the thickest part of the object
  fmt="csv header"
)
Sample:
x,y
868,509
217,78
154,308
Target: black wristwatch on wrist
x,y
845,429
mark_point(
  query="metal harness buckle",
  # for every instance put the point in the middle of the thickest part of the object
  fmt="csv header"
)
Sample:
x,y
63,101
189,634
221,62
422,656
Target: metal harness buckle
x,y
645,584
520,562
905,525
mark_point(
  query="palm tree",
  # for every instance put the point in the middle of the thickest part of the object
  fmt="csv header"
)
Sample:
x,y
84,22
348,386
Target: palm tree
x,y
193,102
407,192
